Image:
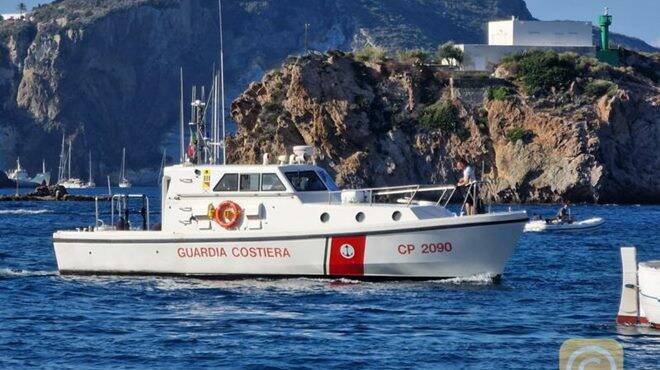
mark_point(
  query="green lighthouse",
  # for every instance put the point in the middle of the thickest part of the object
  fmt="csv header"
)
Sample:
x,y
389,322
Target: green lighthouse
x,y
604,53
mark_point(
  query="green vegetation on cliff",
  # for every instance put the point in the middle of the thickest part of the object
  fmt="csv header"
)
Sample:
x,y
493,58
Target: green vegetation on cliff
x,y
442,115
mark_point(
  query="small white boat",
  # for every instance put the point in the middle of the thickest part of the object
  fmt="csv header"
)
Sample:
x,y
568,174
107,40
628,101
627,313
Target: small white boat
x,y
640,291
123,181
543,225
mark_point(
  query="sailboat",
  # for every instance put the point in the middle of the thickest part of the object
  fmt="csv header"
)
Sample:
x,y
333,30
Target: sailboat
x,y
123,182
90,184
65,162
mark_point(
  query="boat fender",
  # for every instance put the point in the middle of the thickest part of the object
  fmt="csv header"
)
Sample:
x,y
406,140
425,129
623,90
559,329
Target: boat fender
x,y
228,214
210,212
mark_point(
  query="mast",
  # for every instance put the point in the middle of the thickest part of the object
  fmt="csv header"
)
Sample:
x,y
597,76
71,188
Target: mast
x,y
162,167
43,165
69,161
123,162
60,167
90,166
182,153
222,85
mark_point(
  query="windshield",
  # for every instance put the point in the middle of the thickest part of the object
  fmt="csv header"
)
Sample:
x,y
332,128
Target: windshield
x,y
329,182
305,181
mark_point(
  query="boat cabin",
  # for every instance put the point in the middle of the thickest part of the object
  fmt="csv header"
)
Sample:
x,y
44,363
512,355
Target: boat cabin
x,y
277,197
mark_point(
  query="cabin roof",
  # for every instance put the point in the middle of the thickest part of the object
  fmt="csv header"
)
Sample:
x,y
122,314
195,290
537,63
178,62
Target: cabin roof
x,y
245,167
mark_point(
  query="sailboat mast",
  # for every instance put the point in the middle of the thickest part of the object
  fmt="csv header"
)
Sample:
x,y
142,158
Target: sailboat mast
x,y
43,165
90,166
222,84
60,168
123,162
69,162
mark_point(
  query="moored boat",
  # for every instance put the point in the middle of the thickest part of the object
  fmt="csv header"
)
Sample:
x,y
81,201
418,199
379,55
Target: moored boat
x,y
123,181
64,176
23,179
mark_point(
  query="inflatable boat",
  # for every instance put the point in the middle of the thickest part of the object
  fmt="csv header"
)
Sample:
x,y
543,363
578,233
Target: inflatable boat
x,y
543,225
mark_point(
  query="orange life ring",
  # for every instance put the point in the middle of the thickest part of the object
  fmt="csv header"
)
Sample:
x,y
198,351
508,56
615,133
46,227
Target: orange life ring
x,y
228,214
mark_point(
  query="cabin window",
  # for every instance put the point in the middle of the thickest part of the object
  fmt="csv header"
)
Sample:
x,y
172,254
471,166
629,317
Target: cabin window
x,y
270,182
329,182
250,182
228,182
305,181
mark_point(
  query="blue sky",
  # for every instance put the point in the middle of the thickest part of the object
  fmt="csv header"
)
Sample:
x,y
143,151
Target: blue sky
x,y
639,18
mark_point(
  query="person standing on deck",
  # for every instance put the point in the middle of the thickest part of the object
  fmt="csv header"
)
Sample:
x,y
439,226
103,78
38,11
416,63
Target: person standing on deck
x,y
465,181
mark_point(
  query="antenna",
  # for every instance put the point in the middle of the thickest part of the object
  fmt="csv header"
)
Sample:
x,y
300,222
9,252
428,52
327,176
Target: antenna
x,y
222,85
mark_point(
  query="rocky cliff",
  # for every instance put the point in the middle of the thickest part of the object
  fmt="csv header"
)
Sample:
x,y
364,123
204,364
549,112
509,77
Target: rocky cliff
x,y
106,72
550,127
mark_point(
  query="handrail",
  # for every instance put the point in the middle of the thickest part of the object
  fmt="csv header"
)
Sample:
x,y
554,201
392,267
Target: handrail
x,y
415,189
119,198
473,191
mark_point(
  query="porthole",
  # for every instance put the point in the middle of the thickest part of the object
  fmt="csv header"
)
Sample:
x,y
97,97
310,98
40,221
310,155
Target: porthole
x,y
325,217
396,216
359,217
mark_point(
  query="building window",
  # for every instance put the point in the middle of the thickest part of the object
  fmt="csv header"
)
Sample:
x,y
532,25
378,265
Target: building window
x,y
228,182
270,182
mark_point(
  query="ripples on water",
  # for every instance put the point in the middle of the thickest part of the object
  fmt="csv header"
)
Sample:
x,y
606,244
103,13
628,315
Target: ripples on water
x,y
556,287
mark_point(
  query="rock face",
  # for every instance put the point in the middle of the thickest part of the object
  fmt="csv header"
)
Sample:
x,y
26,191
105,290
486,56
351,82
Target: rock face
x,y
106,72
367,123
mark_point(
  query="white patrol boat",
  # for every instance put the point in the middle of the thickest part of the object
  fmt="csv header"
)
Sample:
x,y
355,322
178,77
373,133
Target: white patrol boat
x,y
290,220
284,219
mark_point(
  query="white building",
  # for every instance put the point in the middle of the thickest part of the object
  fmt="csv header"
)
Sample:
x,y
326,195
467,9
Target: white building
x,y
540,33
514,36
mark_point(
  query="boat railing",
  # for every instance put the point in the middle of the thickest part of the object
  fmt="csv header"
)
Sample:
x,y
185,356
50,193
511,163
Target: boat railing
x,y
120,210
472,191
375,195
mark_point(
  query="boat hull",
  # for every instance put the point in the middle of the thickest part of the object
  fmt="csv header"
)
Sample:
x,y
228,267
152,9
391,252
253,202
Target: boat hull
x,y
439,251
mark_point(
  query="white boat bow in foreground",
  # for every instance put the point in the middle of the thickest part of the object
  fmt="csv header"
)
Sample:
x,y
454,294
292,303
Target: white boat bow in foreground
x,y
640,290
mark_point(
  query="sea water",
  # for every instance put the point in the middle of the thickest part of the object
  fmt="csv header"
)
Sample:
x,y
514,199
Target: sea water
x,y
557,286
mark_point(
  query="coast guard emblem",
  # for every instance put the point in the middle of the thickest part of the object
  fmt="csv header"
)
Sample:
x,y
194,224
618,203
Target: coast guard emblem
x,y
347,251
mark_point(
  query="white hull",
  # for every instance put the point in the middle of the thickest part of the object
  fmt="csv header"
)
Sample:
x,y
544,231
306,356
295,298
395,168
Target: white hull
x,y
74,184
454,247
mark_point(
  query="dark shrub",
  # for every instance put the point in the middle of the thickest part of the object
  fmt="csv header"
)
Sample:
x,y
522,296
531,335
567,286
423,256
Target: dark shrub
x,y
440,116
